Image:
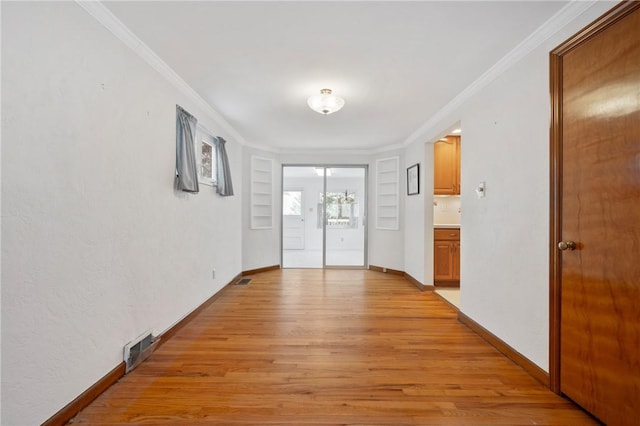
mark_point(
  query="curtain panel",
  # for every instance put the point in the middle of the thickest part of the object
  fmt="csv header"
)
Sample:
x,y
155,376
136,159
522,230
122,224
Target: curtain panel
x,y
186,170
224,186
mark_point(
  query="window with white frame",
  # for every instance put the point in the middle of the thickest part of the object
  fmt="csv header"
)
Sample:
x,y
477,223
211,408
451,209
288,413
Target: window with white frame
x,y
206,157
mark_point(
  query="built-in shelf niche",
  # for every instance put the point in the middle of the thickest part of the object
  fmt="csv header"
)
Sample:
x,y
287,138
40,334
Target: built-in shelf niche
x,y
388,193
261,193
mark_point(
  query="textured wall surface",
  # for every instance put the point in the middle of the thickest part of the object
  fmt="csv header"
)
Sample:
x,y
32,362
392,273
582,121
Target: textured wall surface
x,y
418,235
97,247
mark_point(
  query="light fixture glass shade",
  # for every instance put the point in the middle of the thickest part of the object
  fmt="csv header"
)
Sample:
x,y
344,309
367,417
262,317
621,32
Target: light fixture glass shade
x,y
325,102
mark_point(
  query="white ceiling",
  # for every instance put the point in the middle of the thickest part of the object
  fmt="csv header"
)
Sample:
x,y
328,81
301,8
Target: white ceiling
x,y
395,63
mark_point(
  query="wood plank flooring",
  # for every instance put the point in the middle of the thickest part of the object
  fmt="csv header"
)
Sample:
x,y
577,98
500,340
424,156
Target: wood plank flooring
x,y
328,347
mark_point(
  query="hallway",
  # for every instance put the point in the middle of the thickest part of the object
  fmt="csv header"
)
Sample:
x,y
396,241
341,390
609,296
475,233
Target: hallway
x,y
329,347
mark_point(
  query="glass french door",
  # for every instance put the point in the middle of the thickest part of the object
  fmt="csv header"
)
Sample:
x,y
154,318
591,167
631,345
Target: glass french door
x,y
324,216
344,219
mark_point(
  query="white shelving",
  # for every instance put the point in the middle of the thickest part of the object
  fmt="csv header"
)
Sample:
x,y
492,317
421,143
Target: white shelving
x,y
388,193
261,193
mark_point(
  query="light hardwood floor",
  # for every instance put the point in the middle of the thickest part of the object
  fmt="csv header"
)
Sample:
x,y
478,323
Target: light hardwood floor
x,y
328,347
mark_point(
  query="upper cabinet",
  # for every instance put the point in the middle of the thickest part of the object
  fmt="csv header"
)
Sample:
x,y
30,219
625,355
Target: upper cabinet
x,y
446,175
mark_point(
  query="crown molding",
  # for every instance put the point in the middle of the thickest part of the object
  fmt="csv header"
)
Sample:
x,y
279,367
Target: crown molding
x,y
292,150
103,15
269,149
327,151
554,24
387,148
365,152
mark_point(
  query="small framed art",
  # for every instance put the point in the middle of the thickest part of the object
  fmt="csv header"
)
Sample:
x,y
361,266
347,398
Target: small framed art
x,y
413,179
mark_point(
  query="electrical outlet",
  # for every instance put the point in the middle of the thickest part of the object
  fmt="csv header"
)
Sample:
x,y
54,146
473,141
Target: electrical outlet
x,y
213,274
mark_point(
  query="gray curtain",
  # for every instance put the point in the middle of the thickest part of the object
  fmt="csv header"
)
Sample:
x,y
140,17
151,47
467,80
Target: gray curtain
x,y
186,172
224,186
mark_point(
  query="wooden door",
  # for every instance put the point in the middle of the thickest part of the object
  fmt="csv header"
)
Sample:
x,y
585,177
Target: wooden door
x,y
596,174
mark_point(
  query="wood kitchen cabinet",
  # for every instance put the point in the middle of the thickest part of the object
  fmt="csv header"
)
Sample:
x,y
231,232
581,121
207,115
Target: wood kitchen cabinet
x,y
446,168
446,257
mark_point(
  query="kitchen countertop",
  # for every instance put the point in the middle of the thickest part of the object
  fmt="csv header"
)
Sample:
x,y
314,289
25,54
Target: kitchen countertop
x,y
447,225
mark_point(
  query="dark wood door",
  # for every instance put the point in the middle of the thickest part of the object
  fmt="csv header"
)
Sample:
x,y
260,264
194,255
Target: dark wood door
x,y
599,211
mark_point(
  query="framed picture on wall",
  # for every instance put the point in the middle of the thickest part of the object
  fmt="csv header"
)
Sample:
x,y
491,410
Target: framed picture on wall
x,y
413,179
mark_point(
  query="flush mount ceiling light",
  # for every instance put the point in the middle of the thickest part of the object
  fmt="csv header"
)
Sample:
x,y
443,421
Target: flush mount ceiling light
x,y
326,102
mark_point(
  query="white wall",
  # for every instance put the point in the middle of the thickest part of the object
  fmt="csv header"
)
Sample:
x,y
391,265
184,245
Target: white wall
x,y
418,253
504,246
97,247
504,239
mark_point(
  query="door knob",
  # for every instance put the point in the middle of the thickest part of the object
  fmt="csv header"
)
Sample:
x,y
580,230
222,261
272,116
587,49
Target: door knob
x,y
566,245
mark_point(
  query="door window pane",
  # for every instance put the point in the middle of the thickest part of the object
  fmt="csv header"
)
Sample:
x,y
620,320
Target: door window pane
x,y
292,203
342,209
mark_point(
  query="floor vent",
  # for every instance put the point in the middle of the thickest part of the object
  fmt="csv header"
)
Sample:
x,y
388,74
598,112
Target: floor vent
x,y
139,349
244,281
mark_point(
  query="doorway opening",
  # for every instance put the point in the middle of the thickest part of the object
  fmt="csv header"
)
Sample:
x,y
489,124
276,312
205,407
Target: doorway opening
x,y
447,215
324,216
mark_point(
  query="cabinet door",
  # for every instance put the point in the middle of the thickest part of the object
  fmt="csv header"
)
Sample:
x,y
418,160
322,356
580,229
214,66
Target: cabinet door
x,y
443,260
457,175
456,261
445,168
